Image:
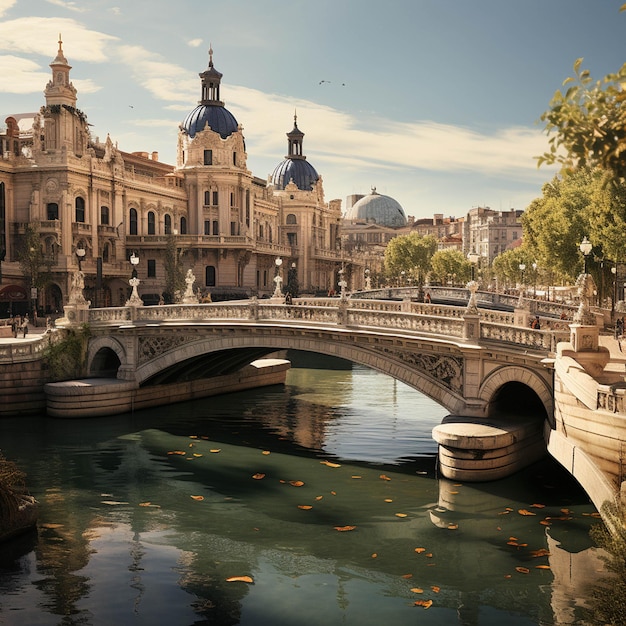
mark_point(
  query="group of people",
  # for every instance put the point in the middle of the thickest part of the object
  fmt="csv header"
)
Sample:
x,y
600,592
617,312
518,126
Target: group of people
x,y
19,324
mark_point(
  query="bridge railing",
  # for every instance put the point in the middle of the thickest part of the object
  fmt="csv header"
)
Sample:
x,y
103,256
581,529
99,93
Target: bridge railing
x,y
382,315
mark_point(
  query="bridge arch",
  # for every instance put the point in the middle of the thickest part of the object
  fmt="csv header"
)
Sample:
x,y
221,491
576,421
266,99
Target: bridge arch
x,y
368,356
105,356
524,388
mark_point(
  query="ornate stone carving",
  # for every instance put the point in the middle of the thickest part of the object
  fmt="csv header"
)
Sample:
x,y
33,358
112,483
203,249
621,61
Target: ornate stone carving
x,y
447,370
150,347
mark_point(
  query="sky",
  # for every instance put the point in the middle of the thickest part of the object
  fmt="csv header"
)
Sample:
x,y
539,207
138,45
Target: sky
x,y
436,103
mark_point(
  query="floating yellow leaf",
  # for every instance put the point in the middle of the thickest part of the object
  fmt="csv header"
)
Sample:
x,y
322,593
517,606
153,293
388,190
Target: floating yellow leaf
x,y
193,436
388,500
191,445
198,497
542,567
374,556
537,506
266,452
240,579
512,543
508,508
356,476
258,476
544,522
504,512
318,497
177,452
435,588
507,575
384,477
540,552
343,529
512,538
522,570
407,576
417,590
452,526
454,493
400,514
144,503
425,603
429,555
334,493
296,483
51,525
329,464
305,507
420,550
196,454
526,512
215,450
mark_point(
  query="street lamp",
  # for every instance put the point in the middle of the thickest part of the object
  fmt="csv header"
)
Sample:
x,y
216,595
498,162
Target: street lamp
x,y
473,257
368,280
522,267
80,255
585,247
277,278
134,261
534,266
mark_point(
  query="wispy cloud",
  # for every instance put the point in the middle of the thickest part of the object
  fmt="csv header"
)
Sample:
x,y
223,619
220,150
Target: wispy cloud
x,y
5,5
70,6
194,43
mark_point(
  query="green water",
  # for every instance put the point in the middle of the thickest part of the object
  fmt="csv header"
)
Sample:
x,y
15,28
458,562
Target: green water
x,y
145,517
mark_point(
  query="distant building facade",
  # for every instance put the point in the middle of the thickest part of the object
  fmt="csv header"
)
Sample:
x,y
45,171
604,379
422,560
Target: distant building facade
x,y
488,233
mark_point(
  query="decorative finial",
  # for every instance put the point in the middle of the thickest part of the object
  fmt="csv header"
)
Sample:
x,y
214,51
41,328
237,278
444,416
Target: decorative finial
x,y
60,43
295,118
210,55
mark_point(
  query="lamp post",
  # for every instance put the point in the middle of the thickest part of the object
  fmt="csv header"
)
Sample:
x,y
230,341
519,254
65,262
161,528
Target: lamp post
x,y
614,298
534,266
473,257
80,255
522,267
134,261
585,247
368,280
134,299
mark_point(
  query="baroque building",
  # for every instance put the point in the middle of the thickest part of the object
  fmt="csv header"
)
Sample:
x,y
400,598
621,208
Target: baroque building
x,y
87,204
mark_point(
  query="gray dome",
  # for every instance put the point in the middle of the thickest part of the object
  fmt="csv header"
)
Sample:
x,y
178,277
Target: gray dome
x,y
378,208
301,172
219,118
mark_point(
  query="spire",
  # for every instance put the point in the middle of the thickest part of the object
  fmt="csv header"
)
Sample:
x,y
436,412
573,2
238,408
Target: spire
x,y
211,83
60,90
295,138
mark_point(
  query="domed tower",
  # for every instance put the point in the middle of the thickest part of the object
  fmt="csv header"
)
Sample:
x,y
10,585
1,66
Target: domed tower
x,y
379,209
295,168
212,158
309,225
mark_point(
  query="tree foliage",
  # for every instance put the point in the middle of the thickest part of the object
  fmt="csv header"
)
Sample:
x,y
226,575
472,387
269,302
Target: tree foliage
x,y
411,254
446,263
587,122
174,272
29,253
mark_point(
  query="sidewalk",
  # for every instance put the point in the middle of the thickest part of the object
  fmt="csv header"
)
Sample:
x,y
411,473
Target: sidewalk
x,y
34,334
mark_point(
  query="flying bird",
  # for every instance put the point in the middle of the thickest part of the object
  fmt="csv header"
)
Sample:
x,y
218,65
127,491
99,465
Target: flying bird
x,y
324,81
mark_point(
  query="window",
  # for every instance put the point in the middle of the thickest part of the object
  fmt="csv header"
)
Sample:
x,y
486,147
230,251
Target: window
x,y
216,227
151,268
233,228
52,211
104,215
207,198
232,199
215,198
151,223
291,219
208,157
106,252
80,209
168,224
183,225
260,231
207,227
133,221
234,158
209,276
292,239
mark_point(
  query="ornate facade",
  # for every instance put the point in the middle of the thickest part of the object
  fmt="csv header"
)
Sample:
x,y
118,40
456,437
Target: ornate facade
x,y
208,213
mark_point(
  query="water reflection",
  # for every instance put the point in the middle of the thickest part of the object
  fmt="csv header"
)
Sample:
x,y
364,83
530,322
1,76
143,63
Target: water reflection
x,y
146,516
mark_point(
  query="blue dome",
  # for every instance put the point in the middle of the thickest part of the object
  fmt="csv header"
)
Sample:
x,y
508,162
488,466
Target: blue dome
x,y
299,170
219,118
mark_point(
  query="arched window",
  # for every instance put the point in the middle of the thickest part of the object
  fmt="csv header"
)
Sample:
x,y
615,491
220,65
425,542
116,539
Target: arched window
x,y
52,211
168,224
151,223
183,225
209,277
133,221
207,198
104,215
80,209
291,219
106,252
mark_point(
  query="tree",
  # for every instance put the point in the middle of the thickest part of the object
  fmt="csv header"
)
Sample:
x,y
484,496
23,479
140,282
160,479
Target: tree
x,y
588,122
506,266
447,263
34,264
411,254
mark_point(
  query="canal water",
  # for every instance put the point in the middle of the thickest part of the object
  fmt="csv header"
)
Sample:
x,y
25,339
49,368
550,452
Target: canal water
x,y
313,503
